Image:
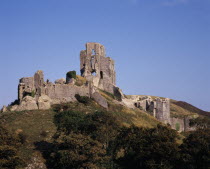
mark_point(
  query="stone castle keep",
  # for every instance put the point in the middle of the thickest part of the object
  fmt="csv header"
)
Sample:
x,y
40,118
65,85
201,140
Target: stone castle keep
x,y
97,73
96,68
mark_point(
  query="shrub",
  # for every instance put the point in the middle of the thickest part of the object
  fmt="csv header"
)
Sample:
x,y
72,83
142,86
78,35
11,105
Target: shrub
x,y
80,80
22,137
71,74
177,126
33,93
43,133
82,99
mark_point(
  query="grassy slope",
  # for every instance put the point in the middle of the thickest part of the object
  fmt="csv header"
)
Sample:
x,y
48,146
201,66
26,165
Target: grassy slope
x,y
33,123
191,108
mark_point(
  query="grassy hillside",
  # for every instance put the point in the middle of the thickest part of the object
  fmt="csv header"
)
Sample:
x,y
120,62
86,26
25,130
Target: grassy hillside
x,y
37,127
191,108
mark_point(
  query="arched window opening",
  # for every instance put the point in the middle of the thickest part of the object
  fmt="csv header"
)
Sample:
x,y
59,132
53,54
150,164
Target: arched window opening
x,y
93,52
101,75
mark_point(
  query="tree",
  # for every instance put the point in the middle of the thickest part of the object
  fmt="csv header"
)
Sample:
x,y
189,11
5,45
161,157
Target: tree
x,y
78,151
146,148
195,150
200,122
101,127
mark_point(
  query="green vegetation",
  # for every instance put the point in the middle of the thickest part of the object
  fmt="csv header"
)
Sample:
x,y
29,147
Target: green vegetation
x,y
146,148
179,112
9,150
85,135
33,93
202,122
71,74
83,99
195,150
80,80
177,126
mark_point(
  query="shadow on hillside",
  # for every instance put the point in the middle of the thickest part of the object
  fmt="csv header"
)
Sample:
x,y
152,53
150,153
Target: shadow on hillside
x,y
46,149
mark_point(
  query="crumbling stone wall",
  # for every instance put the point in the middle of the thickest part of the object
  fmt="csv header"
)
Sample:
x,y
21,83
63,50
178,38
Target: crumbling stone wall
x,y
58,93
95,67
159,108
181,124
98,68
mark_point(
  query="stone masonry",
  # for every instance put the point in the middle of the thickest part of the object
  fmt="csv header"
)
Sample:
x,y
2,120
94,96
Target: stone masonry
x,y
99,74
96,67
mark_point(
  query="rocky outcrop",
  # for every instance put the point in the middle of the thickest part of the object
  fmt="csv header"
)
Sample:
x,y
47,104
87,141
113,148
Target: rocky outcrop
x,y
28,103
44,102
60,81
100,99
4,109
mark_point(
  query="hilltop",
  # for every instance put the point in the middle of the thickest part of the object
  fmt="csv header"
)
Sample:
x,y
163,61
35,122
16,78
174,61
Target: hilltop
x,y
89,109
37,127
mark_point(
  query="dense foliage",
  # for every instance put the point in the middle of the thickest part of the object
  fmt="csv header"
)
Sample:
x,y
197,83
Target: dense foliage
x,y
84,135
146,148
9,158
86,139
98,141
71,74
82,99
195,150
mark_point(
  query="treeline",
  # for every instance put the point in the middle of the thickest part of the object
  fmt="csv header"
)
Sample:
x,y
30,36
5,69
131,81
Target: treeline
x,y
99,140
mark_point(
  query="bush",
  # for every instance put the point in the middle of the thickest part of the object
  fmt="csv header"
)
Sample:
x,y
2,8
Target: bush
x,y
71,74
43,133
195,150
177,126
82,99
9,153
33,93
146,148
80,80
22,137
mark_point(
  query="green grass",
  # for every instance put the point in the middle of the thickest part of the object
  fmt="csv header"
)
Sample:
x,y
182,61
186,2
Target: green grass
x,y
31,124
179,112
34,123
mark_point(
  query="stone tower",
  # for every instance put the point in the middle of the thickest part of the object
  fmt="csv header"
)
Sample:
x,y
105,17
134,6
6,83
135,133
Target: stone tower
x,y
162,110
97,68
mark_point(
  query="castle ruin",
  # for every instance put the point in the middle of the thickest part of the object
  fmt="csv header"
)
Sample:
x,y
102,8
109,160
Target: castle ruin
x,y
99,74
96,67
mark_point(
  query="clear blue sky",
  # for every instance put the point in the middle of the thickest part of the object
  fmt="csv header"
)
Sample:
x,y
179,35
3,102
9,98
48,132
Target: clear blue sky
x,y
160,47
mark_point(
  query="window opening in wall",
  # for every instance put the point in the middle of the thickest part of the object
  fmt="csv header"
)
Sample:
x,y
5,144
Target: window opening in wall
x,y
101,75
93,52
93,73
92,62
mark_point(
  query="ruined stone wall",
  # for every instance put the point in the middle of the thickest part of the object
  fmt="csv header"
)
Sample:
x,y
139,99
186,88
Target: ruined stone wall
x,y
182,124
178,124
61,93
57,92
26,85
98,68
